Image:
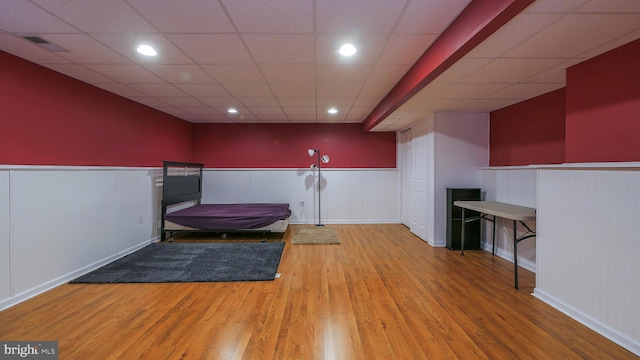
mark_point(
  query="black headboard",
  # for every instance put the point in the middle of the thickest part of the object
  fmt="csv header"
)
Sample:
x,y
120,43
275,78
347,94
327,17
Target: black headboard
x,y
181,181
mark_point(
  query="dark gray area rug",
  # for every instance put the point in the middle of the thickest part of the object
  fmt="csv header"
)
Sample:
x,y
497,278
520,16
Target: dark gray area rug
x,y
192,262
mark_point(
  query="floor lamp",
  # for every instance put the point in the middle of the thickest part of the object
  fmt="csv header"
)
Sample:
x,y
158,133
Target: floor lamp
x,y
324,159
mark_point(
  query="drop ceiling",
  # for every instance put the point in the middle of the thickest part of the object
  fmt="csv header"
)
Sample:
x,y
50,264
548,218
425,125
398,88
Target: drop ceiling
x,y
277,61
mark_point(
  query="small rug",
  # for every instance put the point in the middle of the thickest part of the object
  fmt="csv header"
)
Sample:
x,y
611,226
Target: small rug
x,y
192,262
315,235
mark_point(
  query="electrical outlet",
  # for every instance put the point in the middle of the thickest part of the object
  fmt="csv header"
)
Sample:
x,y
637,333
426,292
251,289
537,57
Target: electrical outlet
x,y
140,219
301,203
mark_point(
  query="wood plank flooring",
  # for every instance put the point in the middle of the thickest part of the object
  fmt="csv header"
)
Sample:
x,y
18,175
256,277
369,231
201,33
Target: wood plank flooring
x,y
381,294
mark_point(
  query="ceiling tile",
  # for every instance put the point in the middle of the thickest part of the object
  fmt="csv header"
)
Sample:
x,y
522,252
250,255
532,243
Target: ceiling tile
x,y
199,110
302,118
281,48
368,102
171,110
510,70
377,91
204,16
29,51
285,90
258,101
342,90
126,44
203,90
331,118
610,6
220,101
131,74
180,101
273,118
188,74
555,5
232,73
520,29
119,89
576,34
387,74
614,43
471,91
255,89
368,48
405,48
289,73
148,101
159,90
265,110
342,73
429,16
524,91
357,16
98,16
325,103
213,48
245,118
84,49
298,101
19,16
288,16
80,72
461,69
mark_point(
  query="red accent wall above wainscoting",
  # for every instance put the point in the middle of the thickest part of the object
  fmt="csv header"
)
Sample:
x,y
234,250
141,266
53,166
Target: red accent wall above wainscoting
x,y
529,132
51,119
603,107
286,145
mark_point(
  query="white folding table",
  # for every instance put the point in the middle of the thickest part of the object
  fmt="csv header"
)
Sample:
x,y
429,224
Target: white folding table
x,y
498,209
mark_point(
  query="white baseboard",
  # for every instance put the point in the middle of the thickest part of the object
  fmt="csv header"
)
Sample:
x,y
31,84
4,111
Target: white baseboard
x,y
508,255
42,288
623,340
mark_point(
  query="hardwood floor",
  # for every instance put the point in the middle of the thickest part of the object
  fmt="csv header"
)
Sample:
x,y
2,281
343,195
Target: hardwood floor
x,y
381,294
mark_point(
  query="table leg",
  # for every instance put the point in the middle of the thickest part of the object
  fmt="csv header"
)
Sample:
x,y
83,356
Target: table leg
x,y
493,246
515,253
462,233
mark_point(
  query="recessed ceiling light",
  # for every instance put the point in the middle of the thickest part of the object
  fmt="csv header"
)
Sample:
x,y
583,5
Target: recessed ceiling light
x,y
232,111
347,50
147,50
332,111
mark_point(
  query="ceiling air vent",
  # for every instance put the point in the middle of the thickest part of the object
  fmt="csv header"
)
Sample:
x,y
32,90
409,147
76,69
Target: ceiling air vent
x,y
43,43
36,39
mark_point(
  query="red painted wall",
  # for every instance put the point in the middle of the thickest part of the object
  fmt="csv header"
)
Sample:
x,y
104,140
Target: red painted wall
x,y
603,107
529,132
286,145
50,119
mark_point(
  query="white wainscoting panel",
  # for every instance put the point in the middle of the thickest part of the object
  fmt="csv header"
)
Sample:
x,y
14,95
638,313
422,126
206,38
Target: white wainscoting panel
x,y
379,196
61,221
5,270
216,187
348,195
136,217
66,221
513,185
588,248
339,200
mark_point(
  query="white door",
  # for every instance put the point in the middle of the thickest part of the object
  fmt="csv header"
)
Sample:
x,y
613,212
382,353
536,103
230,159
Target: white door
x,y
419,180
405,168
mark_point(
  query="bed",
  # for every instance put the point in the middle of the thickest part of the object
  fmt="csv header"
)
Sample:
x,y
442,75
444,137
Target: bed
x,y
182,183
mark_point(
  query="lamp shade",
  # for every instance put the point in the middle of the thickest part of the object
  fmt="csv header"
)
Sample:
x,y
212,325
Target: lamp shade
x,y
311,152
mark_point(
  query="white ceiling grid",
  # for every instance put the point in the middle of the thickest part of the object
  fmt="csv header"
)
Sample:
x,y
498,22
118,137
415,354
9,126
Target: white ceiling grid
x,y
276,61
